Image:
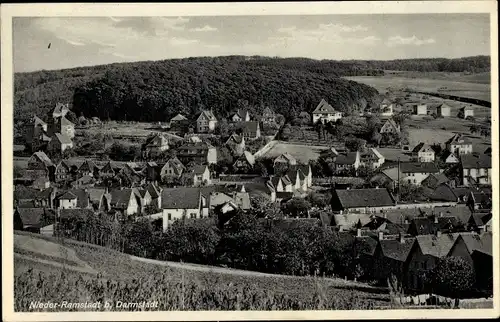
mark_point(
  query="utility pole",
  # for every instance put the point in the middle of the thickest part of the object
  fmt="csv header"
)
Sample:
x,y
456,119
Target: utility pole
x,y
398,185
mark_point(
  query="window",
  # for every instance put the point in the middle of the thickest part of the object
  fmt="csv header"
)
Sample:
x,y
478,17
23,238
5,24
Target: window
x,y
192,215
169,216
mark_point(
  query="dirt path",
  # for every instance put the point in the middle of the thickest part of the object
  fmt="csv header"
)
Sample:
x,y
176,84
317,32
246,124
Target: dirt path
x,y
239,272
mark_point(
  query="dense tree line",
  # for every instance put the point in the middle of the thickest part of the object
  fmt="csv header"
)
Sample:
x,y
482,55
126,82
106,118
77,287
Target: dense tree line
x,y
155,91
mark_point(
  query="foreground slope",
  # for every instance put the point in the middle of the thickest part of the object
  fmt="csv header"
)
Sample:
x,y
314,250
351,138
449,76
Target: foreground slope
x,y
46,267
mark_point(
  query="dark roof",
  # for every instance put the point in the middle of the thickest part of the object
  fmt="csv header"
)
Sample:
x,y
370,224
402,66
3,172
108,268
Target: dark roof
x,y
437,246
284,195
396,250
324,108
418,167
235,139
32,216
346,158
208,115
88,165
476,161
480,219
197,169
365,245
154,191
475,242
458,139
421,146
480,197
120,198
44,158
423,225
180,198
63,138
250,126
439,178
356,198
67,195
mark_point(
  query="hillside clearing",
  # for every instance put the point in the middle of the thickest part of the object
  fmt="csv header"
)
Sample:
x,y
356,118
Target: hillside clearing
x,y
303,153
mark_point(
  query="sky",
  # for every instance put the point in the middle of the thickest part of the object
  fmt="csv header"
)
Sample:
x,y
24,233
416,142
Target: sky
x,y
87,41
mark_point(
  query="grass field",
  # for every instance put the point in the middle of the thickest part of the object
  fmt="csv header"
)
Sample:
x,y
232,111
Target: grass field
x,y
459,88
125,130
482,78
112,276
303,153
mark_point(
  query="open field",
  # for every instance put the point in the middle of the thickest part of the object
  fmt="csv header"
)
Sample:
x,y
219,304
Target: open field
x,y
303,153
481,78
458,88
176,286
125,130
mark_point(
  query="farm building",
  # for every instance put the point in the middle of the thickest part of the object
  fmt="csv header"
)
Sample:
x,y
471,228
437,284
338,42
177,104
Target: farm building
x,y
386,108
362,200
241,115
416,172
467,111
423,153
206,122
476,168
443,110
459,145
420,109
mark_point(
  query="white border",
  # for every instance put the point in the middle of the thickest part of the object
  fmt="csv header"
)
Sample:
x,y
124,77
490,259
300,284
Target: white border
x,y
228,9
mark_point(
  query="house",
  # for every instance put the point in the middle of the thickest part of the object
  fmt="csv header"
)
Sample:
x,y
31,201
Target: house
x,y
206,122
66,200
479,200
449,157
251,129
324,112
41,183
72,198
475,167
443,110
416,172
100,199
199,175
63,172
362,200
386,108
387,178
61,125
244,163
433,224
182,203
420,109
467,111
305,170
155,193
27,197
422,152
88,168
242,199
155,145
152,171
40,141
60,110
130,177
173,168
107,171
423,256
467,243
459,145
127,201
284,161
446,192
488,151
434,180
390,256
198,152
347,161
268,116
241,115
371,158
298,179
480,222
145,198
281,183
59,143
83,182
33,219
219,198
483,267
330,153
390,127
40,161
33,128
179,124
236,143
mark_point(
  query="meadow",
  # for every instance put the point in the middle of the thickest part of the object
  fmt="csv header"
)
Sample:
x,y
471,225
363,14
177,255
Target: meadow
x,y
457,86
112,276
303,153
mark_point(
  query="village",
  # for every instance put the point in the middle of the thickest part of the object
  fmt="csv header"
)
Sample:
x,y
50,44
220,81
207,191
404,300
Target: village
x,y
405,208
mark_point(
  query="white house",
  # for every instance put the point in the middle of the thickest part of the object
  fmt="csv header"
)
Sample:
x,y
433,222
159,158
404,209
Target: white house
x,y
206,122
423,153
182,203
416,172
459,145
324,112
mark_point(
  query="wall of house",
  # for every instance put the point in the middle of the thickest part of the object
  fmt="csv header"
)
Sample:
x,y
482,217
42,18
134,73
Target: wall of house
x,y
415,178
67,203
326,117
132,208
68,130
176,214
418,262
460,250
212,155
426,156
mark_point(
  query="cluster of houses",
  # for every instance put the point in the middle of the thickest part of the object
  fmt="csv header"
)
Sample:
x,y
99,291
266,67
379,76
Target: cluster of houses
x,y
56,135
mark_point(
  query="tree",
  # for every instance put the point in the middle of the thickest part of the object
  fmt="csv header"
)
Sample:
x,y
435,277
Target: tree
x,y
286,132
355,144
376,137
400,118
453,277
296,207
320,200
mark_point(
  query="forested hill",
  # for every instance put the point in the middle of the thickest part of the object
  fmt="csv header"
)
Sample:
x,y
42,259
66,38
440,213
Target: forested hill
x,y
155,91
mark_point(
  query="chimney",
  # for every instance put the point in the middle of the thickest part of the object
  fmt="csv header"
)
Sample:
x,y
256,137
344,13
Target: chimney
x,y
440,214
380,235
358,232
436,220
438,233
401,238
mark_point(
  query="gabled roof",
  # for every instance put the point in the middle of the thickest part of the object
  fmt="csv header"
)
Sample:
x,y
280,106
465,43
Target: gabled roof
x,y
120,198
439,177
175,163
348,158
35,121
448,154
324,108
418,167
67,196
392,124
60,108
248,157
250,126
476,161
62,138
357,198
180,198
209,115
63,120
32,216
423,225
64,164
235,139
178,118
458,139
480,197
88,165
27,193
475,242
365,245
198,169
43,158
219,198
153,190
396,250
437,246
268,110
286,156
422,147
96,194
157,139
242,113
480,219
